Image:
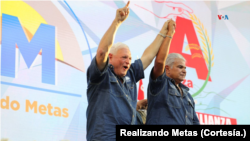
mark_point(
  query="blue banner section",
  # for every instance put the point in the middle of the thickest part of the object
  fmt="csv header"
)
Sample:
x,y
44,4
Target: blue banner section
x,y
44,39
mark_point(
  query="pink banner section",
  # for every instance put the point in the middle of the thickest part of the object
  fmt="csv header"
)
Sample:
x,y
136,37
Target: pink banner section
x,y
208,119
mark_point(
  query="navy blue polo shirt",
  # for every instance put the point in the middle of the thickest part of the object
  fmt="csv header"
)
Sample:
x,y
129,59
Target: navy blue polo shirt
x,y
166,105
111,102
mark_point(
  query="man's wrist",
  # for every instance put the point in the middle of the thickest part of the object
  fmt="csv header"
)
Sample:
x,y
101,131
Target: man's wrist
x,y
117,22
164,36
170,33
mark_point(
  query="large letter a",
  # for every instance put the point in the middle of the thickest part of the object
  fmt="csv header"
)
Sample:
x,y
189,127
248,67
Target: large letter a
x,y
196,59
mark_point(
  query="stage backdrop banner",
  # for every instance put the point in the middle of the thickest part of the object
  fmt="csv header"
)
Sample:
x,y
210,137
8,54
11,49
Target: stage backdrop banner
x,y
47,46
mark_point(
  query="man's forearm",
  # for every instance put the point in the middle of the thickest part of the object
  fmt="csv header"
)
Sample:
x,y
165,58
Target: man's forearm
x,y
163,51
105,45
161,57
151,51
153,48
108,38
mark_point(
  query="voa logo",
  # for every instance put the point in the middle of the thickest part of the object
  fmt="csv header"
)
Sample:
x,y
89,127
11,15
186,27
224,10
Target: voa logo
x,y
225,17
13,36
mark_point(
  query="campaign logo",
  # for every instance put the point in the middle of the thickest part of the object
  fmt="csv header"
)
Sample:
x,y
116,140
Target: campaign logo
x,y
32,35
14,37
225,17
189,27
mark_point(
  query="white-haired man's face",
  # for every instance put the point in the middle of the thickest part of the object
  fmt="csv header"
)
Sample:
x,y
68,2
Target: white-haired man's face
x,y
177,71
121,61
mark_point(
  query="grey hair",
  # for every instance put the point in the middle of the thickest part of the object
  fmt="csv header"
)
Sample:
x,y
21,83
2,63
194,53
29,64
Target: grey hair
x,y
117,46
171,57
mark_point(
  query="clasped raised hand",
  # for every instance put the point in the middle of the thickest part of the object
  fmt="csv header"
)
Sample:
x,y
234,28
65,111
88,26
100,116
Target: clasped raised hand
x,y
168,28
171,27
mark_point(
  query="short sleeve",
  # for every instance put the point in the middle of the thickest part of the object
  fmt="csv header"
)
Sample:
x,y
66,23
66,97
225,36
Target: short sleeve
x,y
94,75
157,85
137,68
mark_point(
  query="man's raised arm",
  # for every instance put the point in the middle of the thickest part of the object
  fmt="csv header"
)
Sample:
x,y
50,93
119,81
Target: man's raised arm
x,y
151,51
163,51
108,38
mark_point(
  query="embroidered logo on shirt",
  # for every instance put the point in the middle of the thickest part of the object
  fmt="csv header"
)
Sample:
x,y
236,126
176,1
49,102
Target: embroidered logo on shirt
x,y
127,79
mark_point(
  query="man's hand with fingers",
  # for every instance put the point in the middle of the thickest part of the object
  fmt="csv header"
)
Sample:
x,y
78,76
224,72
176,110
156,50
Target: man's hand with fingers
x,y
164,29
168,28
171,27
122,13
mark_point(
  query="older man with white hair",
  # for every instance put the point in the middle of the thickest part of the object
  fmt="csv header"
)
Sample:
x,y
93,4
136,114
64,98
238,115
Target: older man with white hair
x,y
169,101
111,78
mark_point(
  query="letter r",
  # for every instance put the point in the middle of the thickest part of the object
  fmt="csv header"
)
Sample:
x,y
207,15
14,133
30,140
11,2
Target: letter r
x,y
123,131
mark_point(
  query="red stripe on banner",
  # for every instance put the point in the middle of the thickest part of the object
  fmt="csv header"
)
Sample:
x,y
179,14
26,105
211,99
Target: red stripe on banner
x,y
208,119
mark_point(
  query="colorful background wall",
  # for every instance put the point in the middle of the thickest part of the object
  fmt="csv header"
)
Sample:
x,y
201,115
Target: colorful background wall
x,y
47,46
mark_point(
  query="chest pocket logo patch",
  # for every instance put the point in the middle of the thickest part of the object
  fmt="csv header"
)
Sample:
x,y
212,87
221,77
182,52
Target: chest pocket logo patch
x,y
127,79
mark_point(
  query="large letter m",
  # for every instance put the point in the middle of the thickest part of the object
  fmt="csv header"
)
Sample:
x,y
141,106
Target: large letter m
x,y
43,39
